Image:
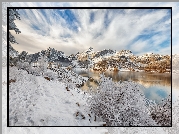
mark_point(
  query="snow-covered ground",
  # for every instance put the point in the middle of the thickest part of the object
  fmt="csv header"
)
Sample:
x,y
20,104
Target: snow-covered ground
x,y
44,130
37,101
46,103
33,100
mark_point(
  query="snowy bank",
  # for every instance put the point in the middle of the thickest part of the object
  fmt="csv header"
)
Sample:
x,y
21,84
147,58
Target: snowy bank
x,y
35,101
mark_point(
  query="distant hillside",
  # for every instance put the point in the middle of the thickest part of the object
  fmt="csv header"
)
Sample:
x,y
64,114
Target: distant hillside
x,y
123,60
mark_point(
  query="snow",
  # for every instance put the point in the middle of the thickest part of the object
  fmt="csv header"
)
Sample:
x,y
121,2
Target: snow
x,y
45,130
124,69
47,100
117,101
79,69
96,60
37,101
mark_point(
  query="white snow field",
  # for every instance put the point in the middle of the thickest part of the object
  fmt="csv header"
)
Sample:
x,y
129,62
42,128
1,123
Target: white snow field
x,y
36,101
80,130
51,100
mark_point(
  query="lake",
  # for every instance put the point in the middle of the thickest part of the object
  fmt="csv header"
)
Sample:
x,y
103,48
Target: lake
x,y
157,85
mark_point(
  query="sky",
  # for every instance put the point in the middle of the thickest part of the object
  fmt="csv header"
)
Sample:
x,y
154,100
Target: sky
x,y
75,30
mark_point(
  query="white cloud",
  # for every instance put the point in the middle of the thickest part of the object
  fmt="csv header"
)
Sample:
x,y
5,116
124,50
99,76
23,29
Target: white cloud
x,y
120,34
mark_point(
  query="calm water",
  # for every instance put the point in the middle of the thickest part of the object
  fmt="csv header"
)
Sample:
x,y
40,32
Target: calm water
x,y
157,85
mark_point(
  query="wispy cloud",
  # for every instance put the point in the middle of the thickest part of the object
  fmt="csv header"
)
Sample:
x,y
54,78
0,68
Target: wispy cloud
x,y
71,31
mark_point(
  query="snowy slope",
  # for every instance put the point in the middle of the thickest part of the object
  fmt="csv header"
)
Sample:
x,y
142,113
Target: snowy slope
x,y
37,101
37,130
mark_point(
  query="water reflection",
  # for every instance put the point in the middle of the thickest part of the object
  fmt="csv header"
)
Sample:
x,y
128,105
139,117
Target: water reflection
x,y
157,93
157,85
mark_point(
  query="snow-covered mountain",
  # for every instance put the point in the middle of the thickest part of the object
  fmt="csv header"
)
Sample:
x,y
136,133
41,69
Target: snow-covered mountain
x,y
126,60
123,60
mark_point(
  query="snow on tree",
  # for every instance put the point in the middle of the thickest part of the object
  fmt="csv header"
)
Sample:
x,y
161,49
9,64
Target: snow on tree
x,y
13,56
43,63
75,64
13,61
13,15
43,52
54,55
29,58
26,62
120,104
21,61
22,56
23,65
51,54
12,52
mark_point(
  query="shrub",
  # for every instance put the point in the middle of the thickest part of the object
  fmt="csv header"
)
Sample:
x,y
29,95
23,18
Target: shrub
x,y
161,112
120,104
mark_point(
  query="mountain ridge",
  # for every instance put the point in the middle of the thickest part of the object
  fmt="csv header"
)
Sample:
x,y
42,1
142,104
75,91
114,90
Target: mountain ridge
x,y
103,60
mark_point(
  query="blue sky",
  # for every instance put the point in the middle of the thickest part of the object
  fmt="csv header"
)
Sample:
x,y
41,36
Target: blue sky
x,y
75,30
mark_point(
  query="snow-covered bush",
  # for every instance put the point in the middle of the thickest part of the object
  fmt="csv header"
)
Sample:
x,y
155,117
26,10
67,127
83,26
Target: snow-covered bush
x,y
75,64
50,75
70,77
23,65
161,112
12,52
37,71
19,65
26,66
120,104
43,63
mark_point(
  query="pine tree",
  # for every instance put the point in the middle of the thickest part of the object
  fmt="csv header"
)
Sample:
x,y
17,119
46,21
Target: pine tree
x,y
22,56
13,15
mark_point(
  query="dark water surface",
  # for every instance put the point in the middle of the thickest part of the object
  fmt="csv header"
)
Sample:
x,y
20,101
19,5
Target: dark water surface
x,y
157,85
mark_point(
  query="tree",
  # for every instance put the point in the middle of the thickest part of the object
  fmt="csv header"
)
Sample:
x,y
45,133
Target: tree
x,y
22,56
13,15
43,63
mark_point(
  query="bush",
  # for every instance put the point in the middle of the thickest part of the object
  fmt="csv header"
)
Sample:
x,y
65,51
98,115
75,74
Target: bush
x,y
120,104
23,65
50,75
161,112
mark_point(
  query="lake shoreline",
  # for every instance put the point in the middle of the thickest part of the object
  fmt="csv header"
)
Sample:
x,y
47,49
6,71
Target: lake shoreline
x,y
157,85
